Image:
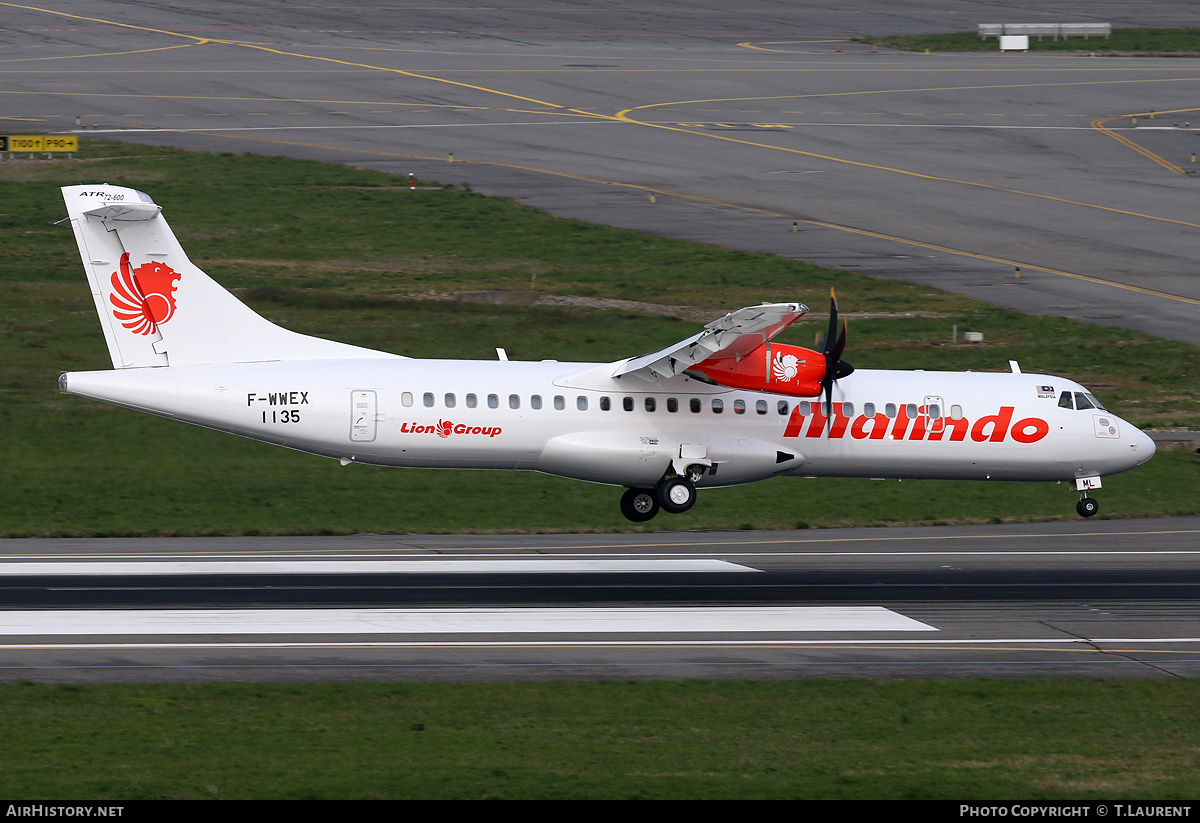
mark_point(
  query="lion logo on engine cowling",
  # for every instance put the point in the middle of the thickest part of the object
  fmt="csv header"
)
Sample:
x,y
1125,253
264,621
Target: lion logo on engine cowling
x,y
144,297
785,367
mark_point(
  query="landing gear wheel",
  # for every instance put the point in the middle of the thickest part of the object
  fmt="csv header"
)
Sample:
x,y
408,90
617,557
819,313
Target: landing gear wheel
x,y
676,494
1087,506
639,505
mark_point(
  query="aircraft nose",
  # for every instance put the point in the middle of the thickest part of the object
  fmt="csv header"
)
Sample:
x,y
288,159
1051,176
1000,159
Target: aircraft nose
x,y
1141,447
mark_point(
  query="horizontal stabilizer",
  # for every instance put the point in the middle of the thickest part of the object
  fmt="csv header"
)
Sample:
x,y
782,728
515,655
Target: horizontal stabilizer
x,y
125,211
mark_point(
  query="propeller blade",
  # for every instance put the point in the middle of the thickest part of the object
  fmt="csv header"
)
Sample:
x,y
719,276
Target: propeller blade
x,y
840,346
832,347
831,335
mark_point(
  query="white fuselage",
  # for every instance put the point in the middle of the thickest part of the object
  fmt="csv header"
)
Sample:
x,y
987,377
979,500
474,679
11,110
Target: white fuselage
x,y
554,418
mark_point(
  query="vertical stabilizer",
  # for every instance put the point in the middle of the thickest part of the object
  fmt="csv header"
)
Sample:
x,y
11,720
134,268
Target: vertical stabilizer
x,y
156,307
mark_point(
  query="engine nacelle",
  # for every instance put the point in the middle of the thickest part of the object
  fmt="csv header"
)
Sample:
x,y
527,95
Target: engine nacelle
x,y
772,367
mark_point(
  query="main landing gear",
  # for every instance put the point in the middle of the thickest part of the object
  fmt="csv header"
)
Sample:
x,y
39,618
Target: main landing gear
x,y
1087,506
671,494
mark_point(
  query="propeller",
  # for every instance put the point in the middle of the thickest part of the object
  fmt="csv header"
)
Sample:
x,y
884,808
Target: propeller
x,y
832,347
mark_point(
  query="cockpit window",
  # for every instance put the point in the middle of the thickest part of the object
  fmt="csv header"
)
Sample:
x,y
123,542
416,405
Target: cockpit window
x,y
1079,400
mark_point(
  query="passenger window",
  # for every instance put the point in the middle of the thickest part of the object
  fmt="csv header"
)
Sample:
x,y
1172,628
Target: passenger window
x,y
890,410
672,405
493,401
650,404
911,411
535,402
848,409
869,409
472,401
805,408
739,406
605,404
694,405
406,399
450,400
760,406
956,412
581,403
514,401
627,403
935,411
560,402
718,406
783,407
427,399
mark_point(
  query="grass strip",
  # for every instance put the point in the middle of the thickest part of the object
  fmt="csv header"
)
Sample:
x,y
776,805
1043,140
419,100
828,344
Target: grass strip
x,y
1125,42
1080,740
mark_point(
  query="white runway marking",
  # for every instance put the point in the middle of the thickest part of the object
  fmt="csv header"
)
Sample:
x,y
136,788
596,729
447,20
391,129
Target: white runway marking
x,y
488,566
1120,644
455,621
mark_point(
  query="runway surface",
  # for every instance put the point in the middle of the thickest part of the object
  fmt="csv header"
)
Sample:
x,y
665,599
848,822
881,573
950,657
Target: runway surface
x,y
1116,598
697,120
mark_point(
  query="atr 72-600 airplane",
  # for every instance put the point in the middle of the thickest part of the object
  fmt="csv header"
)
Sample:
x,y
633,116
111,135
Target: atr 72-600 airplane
x,y
725,406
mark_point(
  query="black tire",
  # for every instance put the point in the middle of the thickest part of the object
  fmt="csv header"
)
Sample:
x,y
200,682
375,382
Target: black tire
x,y
676,494
639,505
1087,506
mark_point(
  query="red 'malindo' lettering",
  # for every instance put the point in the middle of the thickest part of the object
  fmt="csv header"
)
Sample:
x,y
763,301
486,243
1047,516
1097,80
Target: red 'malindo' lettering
x,y
878,430
992,428
1029,430
998,422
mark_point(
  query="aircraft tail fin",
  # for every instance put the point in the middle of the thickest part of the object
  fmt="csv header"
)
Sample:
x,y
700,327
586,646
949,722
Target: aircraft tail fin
x,y
157,308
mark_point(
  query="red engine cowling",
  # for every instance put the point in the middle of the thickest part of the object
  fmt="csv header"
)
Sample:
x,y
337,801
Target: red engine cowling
x,y
775,368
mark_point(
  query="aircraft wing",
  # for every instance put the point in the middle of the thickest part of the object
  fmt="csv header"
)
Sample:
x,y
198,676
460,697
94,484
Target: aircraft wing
x,y
734,335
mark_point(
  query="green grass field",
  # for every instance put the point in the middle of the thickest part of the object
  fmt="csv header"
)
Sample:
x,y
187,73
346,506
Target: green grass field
x,y
1162,42
354,255
978,740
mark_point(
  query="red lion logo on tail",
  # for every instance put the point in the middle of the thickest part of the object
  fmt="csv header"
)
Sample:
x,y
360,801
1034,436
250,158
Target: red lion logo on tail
x,y
144,297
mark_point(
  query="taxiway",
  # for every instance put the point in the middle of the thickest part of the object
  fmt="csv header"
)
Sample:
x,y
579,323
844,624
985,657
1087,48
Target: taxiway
x,y
730,125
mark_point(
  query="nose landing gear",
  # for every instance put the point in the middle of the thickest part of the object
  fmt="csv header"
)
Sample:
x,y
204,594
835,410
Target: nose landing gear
x,y
1087,506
